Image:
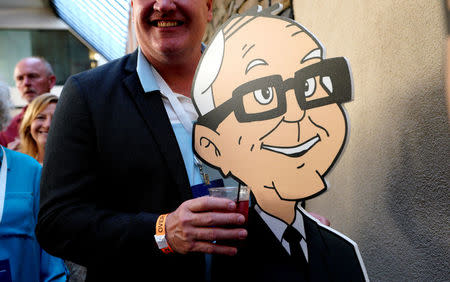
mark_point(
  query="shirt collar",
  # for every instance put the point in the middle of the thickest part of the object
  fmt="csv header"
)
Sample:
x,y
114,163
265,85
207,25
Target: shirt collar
x,y
149,77
163,87
278,226
145,73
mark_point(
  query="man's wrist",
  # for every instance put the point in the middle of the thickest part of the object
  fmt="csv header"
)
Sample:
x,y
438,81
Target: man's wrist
x,y
160,235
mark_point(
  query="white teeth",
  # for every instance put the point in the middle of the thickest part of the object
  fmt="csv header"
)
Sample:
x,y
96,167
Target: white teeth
x,y
167,24
295,150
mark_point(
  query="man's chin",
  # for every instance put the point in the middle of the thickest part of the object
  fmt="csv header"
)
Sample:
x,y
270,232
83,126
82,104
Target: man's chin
x,y
29,96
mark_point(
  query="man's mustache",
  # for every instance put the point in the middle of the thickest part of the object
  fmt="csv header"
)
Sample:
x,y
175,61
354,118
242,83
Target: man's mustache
x,y
32,90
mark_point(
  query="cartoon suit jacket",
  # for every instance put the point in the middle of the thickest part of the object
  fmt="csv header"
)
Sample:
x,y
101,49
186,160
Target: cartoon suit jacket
x,y
263,258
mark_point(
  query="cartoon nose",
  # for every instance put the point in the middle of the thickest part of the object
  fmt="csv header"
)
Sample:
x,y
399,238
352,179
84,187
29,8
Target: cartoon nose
x,y
164,6
293,111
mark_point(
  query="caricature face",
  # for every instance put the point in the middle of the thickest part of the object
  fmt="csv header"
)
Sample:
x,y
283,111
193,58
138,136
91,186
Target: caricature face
x,y
279,131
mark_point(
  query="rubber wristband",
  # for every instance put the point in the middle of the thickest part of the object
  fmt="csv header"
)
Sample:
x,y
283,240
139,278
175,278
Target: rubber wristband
x,y
161,233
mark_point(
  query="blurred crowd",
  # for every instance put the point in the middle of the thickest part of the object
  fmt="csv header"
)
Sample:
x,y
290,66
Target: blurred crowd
x,y
23,139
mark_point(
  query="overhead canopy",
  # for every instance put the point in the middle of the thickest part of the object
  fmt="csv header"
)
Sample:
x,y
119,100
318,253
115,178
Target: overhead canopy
x,y
103,24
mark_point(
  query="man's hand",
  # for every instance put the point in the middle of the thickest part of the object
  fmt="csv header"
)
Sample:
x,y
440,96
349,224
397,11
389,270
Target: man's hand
x,y
321,218
196,223
14,145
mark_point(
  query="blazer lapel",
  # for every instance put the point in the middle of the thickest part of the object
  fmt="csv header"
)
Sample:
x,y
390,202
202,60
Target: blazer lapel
x,y
151,108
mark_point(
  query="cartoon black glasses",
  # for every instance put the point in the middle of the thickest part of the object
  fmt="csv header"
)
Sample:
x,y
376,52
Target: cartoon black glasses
x,y
265,98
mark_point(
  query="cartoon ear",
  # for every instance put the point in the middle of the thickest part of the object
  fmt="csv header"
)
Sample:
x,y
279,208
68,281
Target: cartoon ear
x,y
206,146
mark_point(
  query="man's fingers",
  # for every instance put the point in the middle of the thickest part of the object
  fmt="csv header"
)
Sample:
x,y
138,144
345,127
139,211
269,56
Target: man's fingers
x,y
210,203
198,222
212,248
217,219
321,218
210,211
217,233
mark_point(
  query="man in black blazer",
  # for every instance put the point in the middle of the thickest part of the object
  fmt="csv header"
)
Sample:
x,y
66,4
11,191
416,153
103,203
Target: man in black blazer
x,y
271,116
115,191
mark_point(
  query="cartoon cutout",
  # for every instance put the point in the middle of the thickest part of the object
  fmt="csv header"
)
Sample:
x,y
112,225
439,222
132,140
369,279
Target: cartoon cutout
x,y
271,116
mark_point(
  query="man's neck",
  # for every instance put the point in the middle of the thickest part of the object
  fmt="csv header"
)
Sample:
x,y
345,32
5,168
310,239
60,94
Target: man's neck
x,y
177,72
178,77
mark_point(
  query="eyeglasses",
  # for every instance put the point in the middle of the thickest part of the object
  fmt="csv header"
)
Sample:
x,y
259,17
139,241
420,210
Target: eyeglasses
x,y
265,98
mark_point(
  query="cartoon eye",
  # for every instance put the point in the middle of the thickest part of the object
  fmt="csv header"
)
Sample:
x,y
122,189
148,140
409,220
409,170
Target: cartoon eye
x,y
264,95
310,86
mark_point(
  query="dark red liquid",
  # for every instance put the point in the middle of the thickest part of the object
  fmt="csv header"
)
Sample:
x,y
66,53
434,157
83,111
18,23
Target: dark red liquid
x,y
242,208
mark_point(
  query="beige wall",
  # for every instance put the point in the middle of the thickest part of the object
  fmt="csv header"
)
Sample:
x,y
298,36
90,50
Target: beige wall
x,y
390,189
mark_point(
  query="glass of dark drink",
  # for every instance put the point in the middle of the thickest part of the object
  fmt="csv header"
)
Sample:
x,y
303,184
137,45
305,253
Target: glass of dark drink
x,y
241,202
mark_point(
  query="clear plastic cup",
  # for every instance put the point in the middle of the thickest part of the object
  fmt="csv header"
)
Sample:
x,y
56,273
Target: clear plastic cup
x,y
232,194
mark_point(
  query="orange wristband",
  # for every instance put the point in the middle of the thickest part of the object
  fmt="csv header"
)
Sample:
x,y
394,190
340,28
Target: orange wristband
x,y
160,236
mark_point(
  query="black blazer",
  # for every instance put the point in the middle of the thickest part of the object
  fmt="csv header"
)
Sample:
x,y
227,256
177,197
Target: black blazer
x,y
263,258
112,166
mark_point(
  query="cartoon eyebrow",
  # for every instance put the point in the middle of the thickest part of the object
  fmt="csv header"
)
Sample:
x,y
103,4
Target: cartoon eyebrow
x,y
250,48
254,63
314,54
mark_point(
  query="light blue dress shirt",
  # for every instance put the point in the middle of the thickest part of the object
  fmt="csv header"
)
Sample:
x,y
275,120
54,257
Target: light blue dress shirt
x,y
184,138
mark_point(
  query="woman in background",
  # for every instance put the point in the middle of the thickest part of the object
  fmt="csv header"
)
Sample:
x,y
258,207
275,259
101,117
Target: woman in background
x,y
21,257
35,125
33,137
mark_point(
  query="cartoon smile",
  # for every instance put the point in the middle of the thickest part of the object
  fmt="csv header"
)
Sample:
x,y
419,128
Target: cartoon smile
x,y
293,151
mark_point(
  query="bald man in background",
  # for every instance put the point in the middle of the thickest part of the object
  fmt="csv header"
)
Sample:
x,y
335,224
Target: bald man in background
x,y
33,76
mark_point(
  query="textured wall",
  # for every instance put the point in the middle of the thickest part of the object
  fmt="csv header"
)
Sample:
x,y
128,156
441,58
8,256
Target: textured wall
x,y
390,190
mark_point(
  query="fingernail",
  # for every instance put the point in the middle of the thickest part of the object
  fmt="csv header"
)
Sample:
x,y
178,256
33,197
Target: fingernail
x,y
241,219
242,234
232,206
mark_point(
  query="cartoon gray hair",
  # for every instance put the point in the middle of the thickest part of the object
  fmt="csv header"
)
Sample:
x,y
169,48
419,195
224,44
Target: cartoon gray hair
x,y
208,70
211,61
